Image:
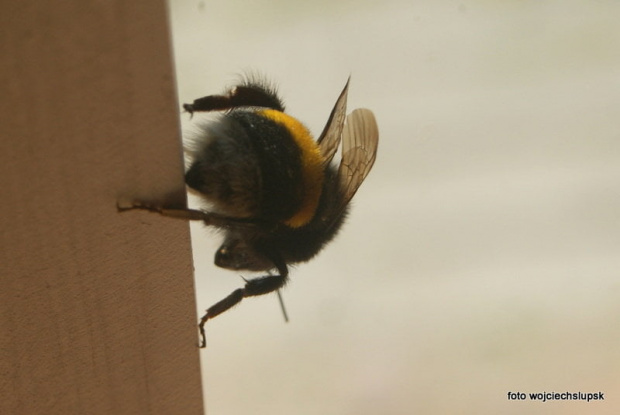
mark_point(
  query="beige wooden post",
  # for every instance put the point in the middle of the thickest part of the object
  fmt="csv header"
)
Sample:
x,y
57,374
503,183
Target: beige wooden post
x,y
97,307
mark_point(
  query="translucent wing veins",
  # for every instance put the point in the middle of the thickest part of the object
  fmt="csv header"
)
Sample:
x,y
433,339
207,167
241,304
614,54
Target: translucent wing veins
x,y
360,139
330,137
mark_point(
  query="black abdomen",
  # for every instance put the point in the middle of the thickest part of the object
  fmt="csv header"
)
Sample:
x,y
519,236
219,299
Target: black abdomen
x,y
250,166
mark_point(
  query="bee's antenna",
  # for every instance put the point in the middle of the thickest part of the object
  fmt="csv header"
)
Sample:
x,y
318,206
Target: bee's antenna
x,y
282,306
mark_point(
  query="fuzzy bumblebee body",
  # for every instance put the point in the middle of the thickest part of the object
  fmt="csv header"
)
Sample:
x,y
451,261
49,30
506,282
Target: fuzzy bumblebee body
x,y
273,189
259,164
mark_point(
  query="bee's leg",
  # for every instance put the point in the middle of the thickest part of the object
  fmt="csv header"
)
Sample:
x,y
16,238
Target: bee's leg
x,y
209,218
187,214
257,286
248,95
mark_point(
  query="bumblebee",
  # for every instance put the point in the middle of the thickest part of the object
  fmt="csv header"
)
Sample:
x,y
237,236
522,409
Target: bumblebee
x,y
272,189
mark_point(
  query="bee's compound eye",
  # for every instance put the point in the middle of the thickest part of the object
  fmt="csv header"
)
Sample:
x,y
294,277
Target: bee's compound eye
x,y
223,257
236,254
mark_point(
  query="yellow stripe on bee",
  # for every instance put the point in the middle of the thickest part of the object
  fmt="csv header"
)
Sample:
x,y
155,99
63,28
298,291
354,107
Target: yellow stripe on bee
x,y
311,161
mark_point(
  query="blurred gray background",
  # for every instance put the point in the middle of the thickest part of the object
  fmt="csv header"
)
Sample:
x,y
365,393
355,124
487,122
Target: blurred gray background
x,y
482,252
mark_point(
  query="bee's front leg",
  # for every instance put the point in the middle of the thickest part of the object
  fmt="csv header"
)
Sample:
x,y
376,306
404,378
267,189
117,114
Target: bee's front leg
x,y
254,287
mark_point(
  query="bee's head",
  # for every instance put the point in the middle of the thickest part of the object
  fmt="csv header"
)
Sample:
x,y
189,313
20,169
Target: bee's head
x,y
236,254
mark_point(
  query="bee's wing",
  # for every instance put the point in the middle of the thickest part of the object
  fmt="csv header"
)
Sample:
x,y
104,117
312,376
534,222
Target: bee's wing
x,y
360,139
330,137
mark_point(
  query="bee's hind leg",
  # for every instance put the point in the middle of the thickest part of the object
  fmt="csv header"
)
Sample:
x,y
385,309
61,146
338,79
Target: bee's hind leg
x,y
250,93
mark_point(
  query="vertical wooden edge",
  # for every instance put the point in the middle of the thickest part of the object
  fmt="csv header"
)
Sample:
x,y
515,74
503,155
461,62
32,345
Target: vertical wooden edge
x,y
99,311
